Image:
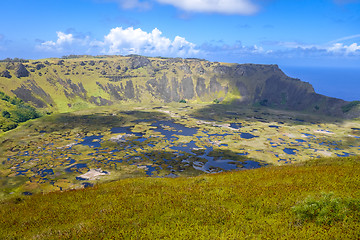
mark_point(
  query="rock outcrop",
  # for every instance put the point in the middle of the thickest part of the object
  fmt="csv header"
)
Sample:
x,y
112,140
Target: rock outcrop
x,y
21,71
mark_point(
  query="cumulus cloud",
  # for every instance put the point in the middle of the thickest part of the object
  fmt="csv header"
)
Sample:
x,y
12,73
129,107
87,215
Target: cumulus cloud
x,y
352,49
125,41
137,41
121,41
65,43
243,7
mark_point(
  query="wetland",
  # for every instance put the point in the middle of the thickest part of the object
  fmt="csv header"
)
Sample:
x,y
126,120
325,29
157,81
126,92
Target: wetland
x,y
83,148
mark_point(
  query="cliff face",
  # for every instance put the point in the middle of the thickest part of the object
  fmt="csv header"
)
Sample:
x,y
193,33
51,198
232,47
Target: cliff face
x,y
65,84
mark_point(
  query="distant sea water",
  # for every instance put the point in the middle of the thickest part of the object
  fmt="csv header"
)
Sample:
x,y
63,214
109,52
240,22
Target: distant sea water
x,y
343,83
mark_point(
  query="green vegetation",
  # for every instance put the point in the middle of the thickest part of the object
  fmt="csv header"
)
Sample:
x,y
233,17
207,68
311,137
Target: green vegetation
x,y
255,204
216,101
346,108
327,209
14,111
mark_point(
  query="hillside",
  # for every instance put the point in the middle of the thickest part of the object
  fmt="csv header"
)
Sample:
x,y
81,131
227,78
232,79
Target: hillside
x,y
79,82
309,201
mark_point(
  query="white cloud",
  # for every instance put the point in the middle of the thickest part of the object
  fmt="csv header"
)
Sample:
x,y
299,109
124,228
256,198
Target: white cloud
x,y
64,43
137,41
331,48
353,48
243,7
122,41
129,4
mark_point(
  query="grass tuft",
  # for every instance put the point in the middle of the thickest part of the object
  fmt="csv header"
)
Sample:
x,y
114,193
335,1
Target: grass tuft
x,y
326,209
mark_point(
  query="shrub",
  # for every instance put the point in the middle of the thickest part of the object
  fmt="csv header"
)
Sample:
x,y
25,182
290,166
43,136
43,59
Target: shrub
x,y
5,114
8,126
23,113
326,209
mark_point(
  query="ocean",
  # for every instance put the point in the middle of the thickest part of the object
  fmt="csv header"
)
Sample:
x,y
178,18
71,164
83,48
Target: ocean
x,y
343,83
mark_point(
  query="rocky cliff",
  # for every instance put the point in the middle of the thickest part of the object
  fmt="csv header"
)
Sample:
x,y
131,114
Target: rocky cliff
x,y
65,84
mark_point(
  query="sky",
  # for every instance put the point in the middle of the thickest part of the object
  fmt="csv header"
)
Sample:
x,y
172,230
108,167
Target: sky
x,y
285,32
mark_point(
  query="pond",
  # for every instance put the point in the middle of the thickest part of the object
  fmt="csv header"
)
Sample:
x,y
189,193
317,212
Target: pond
x,y
247,135
345,154
290,151
92,141
171,130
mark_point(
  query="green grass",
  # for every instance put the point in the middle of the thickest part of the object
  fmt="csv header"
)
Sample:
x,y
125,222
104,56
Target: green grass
x,y
254,204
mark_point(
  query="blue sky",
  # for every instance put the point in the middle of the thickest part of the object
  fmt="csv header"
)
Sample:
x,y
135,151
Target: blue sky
x,y
285,32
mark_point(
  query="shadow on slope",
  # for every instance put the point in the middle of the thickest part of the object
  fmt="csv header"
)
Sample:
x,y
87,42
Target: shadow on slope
x,y
233,112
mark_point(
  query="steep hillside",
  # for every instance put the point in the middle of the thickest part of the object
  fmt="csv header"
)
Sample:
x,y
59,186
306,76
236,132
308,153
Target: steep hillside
x,y
81,82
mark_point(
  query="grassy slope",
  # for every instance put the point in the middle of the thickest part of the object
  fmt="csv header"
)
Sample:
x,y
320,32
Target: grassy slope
x,y
232,205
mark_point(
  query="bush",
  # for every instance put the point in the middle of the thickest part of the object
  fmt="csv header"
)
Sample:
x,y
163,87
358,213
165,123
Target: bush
x,y
16,101
326,210
23,113
8,126
4,97
5,114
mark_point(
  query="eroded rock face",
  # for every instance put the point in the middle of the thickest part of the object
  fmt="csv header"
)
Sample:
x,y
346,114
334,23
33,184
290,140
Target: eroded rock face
x,y
21,71
185,68
129,90
30,91
201,89
139,61
162,89
187,87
